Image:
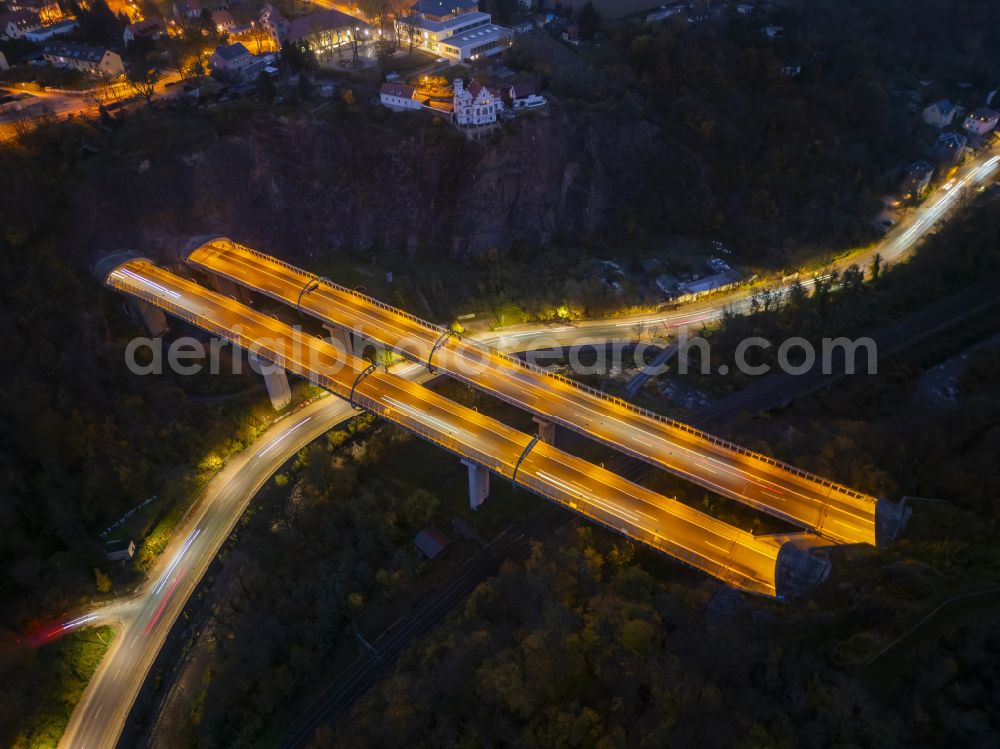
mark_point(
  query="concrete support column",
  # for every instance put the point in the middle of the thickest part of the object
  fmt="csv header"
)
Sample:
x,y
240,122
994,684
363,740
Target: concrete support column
x,y
151,316
339,337
276,380
546,430
229,288
479,484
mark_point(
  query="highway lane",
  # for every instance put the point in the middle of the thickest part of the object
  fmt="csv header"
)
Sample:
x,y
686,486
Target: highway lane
x,y
144,621
789,493
697,539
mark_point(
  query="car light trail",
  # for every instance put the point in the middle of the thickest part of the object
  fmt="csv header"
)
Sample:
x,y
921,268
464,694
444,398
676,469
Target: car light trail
x,y
177,558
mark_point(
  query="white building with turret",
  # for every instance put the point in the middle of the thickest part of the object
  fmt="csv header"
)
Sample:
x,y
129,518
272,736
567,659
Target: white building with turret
x,y
476,105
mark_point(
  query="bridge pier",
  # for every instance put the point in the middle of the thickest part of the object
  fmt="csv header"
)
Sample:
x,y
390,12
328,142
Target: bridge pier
x,y
479,484
546,430
229,288
340,337
276,380
151,317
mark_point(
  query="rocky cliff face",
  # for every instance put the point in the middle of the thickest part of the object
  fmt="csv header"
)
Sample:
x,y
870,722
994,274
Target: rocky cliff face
x,y
304,186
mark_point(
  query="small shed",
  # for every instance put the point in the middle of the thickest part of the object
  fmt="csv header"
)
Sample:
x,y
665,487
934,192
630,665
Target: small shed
x,y
119,550
431,542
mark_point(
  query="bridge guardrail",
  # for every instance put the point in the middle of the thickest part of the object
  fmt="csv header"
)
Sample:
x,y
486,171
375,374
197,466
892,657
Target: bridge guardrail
x,y
732,446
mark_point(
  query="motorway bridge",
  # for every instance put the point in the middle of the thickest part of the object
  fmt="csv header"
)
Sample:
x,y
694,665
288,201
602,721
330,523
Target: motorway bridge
x,y
814,503
775,566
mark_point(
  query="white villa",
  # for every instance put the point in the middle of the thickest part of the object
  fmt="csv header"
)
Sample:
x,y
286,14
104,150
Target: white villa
x,y
476,105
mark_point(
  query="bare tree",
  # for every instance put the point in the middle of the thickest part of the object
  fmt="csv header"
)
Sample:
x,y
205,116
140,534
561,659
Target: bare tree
x,y
143,84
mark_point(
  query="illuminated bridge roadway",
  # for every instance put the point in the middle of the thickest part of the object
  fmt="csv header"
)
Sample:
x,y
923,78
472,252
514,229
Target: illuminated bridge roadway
x,y
824,507
775,566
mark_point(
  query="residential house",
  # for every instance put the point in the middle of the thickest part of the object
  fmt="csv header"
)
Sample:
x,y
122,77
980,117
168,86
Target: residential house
x,y
3,61
48,10
275,24
60,28
399,96
153,27
666,11
688,290
981,121
120,550
773,32
525,96
949,147
476,105
230,59
940,113
916,180
17,23
85,57
524,27
745,9
571,34
190,10
223,21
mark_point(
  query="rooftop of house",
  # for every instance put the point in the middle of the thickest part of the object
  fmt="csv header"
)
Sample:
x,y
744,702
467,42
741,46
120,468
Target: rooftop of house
x,y
431,542
146,25
58,26
401,90
117,545
952,140
943,106
317,23
984,114
20,18
75,51
231,52
523,90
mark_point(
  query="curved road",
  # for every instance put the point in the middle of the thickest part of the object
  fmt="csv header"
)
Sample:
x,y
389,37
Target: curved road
x,y
145,620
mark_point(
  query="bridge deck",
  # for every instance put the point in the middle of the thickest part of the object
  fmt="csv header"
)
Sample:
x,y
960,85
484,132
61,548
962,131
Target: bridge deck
x,y
834,511
760,565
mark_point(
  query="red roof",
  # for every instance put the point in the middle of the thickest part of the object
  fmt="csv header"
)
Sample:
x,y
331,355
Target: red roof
x,y
401,90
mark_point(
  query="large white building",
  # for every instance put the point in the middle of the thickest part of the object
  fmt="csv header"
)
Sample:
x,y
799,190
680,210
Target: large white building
x,y
454,29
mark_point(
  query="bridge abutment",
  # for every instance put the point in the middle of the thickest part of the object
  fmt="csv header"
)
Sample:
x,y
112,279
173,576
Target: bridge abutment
x,y
276,380
479,484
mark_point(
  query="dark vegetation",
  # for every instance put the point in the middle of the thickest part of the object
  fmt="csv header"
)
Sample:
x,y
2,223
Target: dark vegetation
x,y
779,164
